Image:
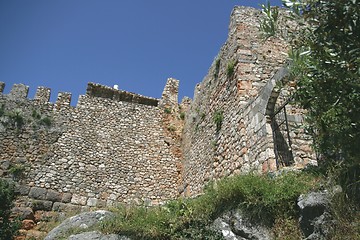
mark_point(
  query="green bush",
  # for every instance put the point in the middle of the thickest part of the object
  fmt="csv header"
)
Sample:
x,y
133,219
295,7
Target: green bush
x,y
8,228
45,121
263,199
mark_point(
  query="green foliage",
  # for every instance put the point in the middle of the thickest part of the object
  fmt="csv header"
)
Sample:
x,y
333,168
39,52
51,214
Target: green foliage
x,y
46,121
230,70
217,68
346,218
326,67
171,128
202,116
16,118
262,198
218,119
268,25
2,110
8,228
35,115
17,170
182,115
287,229
167,110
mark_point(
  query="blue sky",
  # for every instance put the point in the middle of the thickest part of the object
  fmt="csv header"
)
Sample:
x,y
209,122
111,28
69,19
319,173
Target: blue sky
x,y
63,44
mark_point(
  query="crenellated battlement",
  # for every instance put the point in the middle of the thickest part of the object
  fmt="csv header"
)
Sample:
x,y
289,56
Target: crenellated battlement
x,y
19,91
42,95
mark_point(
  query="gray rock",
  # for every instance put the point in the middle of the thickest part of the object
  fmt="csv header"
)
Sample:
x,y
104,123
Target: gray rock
x,y
38,193
42,205
5,165
22,190
53,196
97,236
234,226
65,207
314,218
66,198
23,213
82,221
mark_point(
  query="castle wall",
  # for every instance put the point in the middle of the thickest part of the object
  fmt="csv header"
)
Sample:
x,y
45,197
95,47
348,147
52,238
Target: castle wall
x,y
117,146
236,91
95,154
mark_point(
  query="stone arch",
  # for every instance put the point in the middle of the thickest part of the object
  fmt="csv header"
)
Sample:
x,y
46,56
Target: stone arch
x,y
281,146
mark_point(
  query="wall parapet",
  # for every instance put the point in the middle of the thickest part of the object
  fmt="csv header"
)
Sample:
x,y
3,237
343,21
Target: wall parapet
x,y
97,90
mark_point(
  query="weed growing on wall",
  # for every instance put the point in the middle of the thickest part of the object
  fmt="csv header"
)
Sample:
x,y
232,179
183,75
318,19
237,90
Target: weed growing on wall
x,y
218,119
167,110
230,70
217,68
17,171
20,118
182,115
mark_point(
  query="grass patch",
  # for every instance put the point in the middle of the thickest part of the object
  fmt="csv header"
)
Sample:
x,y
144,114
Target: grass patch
x,y
262,198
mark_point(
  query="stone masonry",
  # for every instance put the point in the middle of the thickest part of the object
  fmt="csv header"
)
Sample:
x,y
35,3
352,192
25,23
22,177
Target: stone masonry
x,y
117,146
110,148
229,127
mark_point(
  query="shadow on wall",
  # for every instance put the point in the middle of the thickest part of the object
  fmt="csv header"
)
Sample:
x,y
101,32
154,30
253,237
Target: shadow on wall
x,y
283,152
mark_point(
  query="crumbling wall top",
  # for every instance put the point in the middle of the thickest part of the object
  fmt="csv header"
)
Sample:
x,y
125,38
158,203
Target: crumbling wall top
x,y
97,90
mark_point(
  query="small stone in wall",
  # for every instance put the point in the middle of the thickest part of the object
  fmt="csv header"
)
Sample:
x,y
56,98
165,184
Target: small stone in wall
x,y
23,213
66,197
27,224
78,200
92,202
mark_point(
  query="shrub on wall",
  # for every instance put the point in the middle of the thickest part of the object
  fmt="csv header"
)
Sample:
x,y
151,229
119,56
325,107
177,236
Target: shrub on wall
x,y
218,119
230,70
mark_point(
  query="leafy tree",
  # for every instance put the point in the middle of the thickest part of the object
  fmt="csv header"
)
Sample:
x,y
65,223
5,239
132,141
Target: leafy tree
x,y
8,228
325,63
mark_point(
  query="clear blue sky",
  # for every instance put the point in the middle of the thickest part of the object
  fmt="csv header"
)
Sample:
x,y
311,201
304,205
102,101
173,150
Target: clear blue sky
x,y
63,44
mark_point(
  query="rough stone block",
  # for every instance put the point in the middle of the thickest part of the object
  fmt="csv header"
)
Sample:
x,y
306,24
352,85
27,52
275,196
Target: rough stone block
x,y
27,224
92,202
78,200
101,204
42,205
53,196
58,206
19,91
66,197
22,190
38,193
23,213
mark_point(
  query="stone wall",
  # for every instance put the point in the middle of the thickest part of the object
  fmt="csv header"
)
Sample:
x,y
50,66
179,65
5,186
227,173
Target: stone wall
x,y
117,146
228,127
102,151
